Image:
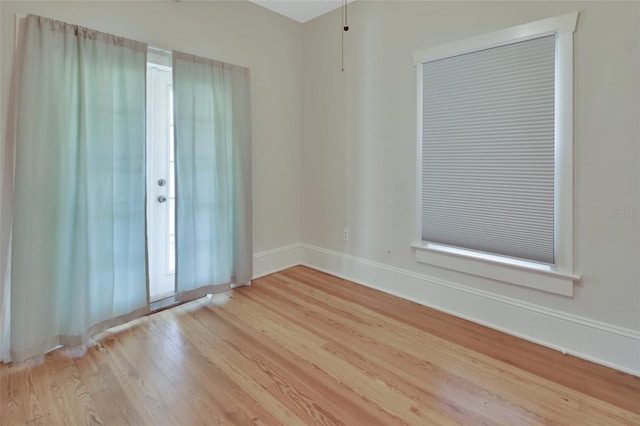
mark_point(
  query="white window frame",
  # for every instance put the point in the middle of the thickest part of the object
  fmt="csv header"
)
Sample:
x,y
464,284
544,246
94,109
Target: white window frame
x,y
558,278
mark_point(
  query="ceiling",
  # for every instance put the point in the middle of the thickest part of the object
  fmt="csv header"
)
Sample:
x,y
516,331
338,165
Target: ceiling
x,y
300,10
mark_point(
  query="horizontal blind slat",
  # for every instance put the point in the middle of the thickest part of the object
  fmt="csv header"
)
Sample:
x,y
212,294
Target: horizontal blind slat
x,y
488,150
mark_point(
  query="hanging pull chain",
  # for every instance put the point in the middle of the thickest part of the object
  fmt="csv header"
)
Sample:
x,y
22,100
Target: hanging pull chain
x,y
346,16
345,26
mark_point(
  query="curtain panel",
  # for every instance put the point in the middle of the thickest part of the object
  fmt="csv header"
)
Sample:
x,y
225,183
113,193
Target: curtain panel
x,y
213,176
78,253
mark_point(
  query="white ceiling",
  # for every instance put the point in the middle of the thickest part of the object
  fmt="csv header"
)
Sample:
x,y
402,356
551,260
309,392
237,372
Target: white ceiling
x,y
300,10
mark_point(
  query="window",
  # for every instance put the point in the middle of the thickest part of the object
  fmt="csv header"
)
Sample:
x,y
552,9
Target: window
x,y
495,164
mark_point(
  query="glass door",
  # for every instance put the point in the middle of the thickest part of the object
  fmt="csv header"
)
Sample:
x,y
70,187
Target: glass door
x,y
160,182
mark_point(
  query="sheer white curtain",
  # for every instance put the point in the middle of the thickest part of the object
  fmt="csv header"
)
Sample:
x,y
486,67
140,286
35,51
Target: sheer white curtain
x,y
78,255
213,175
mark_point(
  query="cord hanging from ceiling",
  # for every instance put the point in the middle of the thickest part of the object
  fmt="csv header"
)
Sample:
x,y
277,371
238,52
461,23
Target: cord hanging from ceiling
x,y
345,25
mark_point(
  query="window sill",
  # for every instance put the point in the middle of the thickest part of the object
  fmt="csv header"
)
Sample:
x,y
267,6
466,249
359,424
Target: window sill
x,y
518,274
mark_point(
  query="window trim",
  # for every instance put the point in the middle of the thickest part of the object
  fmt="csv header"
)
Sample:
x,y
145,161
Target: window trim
x,y
558,278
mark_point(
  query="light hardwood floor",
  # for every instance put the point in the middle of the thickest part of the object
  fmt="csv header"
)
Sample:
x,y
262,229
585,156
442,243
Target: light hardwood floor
x,y
302,347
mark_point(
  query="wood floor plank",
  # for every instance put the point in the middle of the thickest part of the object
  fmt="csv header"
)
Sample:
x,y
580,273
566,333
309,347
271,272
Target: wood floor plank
x,y
217,400
218,387
62,406
12,409
275,370
182,389
151,371
133,377
105,402
418,377
117,392
352,404
442,352
603,383
308,345
301,347
227,353
245,383
369,365
79,399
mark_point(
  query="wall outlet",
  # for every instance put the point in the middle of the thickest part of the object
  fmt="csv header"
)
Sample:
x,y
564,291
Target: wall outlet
x,y
345,235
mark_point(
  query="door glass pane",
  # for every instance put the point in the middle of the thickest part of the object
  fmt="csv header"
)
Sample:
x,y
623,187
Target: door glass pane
x,y
160,185
172,253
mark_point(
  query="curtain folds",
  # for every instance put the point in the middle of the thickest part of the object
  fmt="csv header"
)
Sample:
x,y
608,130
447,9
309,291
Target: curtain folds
x,y
78,245
77,259
213,176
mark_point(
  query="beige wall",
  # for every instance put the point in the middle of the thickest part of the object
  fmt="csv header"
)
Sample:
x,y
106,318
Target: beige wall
x,y
236,32
359,141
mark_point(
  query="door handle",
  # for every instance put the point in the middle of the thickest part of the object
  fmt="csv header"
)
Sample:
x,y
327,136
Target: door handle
x,y
162,199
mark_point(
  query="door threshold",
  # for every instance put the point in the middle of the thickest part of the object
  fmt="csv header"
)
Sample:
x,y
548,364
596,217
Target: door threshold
x,y
161,303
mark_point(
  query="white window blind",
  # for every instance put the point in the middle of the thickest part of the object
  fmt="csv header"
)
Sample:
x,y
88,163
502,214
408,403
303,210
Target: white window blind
x,y
488,150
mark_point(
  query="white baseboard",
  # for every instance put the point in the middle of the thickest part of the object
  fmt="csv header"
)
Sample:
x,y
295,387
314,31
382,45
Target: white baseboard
x,y
595,341
270,261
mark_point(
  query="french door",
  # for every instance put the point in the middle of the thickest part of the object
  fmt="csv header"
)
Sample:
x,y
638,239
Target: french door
x,y
160,182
